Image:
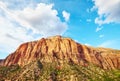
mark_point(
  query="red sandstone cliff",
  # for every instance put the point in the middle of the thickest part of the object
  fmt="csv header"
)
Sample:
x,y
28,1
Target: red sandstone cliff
x,y
62,50
1,61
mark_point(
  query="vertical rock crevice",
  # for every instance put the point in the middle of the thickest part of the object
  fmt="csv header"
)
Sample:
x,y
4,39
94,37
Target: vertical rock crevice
x,y
63,50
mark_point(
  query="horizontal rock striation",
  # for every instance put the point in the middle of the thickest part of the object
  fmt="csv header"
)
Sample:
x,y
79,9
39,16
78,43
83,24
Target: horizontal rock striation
x,y
62,50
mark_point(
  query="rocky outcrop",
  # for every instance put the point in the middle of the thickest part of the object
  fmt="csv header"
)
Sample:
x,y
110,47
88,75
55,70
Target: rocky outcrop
x,y
62,50
1,61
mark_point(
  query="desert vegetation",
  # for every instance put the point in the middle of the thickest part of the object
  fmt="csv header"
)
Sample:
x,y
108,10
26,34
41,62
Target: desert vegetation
x,y
37,71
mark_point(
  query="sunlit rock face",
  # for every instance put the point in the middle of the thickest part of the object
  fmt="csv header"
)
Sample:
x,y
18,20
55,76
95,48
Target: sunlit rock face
x,y
61,49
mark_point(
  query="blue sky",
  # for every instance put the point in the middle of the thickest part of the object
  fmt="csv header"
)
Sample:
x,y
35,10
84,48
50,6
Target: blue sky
x,y
89,22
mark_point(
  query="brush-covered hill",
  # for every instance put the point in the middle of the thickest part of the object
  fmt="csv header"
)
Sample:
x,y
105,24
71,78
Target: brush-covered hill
x,y
60,59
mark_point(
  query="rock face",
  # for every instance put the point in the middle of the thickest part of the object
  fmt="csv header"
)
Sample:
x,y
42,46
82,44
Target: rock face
x,y
1,61
62,50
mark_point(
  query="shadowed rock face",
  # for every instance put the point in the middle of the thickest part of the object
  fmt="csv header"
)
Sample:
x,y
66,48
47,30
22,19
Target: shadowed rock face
x,y
62,50
1,61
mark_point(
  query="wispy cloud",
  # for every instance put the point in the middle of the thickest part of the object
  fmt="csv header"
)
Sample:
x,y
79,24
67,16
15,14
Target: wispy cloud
x,y
88,10
101,36
99,28
66,15
87,44
110,44
88,20
107,43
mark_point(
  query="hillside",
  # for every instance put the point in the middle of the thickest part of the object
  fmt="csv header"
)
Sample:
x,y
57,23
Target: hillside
x,y
60,49
61,59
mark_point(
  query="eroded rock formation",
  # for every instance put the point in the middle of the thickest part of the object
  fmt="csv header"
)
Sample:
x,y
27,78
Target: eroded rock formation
x,y
1,61
62,50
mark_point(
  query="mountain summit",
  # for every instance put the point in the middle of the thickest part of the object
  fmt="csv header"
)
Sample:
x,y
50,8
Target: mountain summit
x,y
63,50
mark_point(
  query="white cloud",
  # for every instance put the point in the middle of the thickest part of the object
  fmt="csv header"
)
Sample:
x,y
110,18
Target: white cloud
x,y
110,44
93,8
101,36
106,44
66,15
87,44
99,28
77,41
88,10
88,20
11,36
38,19
108,11
27,24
